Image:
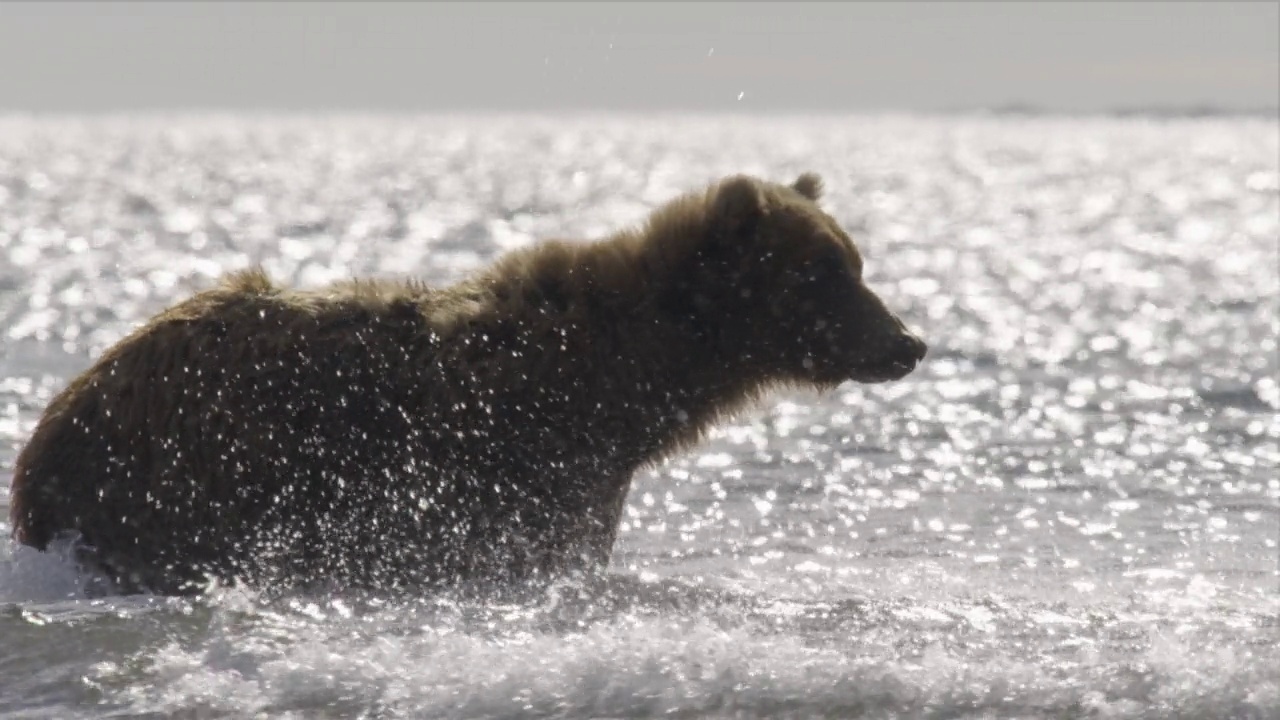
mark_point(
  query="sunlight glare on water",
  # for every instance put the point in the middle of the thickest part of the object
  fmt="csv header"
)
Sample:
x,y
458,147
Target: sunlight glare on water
x,y
1071,509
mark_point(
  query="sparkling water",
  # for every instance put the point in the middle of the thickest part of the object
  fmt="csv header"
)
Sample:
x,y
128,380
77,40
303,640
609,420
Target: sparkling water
x,y
1071,509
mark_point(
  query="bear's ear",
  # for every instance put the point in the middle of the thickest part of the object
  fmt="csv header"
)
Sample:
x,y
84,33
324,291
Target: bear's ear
x,y
808,185
738,204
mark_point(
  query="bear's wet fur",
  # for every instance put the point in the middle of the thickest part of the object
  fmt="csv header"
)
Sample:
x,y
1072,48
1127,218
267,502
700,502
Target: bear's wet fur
x,y
386,434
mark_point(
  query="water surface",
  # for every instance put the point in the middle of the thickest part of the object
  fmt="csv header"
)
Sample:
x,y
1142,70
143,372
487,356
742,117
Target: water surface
x,y
1070,510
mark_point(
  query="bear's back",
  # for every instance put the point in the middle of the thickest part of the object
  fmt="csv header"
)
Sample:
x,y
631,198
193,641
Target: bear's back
x,y
241,408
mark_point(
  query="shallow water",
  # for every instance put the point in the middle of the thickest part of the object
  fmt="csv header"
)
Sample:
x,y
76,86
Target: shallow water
x,y
1070,510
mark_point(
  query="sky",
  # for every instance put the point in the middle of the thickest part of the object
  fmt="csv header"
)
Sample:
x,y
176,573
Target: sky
x,y
664,56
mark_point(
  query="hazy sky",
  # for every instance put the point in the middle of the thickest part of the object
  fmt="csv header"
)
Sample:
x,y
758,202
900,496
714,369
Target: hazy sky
x,y
62,56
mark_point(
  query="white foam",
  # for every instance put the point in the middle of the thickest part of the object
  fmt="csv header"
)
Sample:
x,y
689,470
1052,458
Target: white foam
x,y
629,666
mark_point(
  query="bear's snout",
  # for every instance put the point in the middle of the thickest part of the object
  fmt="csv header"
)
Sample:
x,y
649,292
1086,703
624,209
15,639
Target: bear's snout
x,y
906,351
910,349
883,348
891,358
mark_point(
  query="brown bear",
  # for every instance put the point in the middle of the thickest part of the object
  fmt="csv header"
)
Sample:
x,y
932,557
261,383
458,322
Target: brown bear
x,y
385,434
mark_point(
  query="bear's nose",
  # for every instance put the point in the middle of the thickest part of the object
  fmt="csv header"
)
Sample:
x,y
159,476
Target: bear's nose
x,y
908,350
912,347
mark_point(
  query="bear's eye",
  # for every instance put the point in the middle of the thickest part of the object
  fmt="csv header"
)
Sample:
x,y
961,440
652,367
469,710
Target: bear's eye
x,y
830,261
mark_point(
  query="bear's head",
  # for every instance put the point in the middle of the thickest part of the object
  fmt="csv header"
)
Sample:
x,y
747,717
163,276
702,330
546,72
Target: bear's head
x,y
774,282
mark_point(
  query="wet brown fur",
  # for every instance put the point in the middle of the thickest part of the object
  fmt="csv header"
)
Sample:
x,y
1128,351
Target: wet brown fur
x,y
383,433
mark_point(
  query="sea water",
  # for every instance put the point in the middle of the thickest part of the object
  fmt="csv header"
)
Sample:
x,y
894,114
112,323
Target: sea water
x,y
1071,509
